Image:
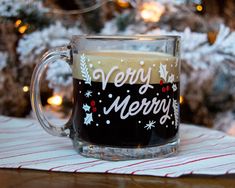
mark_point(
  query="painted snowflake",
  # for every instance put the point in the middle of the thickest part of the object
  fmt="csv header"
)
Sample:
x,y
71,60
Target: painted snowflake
x,y
88,94
86,107
88,119
150,125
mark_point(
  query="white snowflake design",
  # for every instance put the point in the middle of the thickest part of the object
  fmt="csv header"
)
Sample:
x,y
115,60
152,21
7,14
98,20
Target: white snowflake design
x,y
88,119
88,94
86,107
150,125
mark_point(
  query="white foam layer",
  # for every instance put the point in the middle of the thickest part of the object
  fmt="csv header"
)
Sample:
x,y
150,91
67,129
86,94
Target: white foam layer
x,y
133,62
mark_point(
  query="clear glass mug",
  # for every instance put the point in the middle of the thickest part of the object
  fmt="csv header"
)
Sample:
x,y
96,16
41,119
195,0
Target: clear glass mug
x,y
126,95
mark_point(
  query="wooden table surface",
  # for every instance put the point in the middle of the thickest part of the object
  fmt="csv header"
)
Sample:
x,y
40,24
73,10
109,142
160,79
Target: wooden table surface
x,y
41,179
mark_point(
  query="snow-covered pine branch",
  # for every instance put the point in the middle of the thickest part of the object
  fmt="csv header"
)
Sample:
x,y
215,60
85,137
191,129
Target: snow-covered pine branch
x,y
11,8
31,47
59,75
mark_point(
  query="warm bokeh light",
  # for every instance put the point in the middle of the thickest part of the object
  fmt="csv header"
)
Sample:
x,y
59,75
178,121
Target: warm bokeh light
x,y
212,36
55,100
17,23
181,99
199,8
22,29
123,3
231,130
151,11
25,89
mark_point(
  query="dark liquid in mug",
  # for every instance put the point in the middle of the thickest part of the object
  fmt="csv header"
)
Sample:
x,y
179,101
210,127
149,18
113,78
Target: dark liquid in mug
x,y
110,129
92,125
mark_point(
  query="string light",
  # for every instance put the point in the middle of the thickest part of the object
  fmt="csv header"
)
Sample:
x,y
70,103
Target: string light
x,y
123,3
23,28
55,100
17,23
199,8
25,89
151,11
181,99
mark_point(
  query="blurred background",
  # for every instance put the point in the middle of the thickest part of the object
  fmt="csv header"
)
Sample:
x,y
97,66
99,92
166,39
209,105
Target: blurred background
x,y
30,27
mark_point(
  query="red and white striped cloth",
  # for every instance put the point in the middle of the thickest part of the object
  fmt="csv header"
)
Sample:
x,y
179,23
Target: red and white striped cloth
x,y
24,144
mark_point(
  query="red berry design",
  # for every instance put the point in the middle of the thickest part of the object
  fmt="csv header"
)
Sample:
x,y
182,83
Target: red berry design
x,y
163,89
161,82
168,88
92,103
94,109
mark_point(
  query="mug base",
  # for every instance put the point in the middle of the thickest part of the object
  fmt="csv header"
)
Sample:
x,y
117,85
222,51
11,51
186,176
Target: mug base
x,y
118,154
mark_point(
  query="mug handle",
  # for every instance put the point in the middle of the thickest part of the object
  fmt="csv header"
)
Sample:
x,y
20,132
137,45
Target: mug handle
x,y
48,58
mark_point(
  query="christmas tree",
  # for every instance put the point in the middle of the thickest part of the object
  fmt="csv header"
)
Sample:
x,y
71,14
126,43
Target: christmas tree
x,y
27,30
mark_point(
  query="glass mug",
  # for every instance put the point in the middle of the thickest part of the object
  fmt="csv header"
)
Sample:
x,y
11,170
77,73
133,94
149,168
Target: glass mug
x,y
126,95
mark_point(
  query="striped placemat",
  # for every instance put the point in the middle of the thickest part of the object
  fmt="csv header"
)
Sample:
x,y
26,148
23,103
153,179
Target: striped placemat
x,y
24,144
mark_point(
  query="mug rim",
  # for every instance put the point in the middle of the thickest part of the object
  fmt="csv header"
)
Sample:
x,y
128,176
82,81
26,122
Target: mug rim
x,y
128,37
